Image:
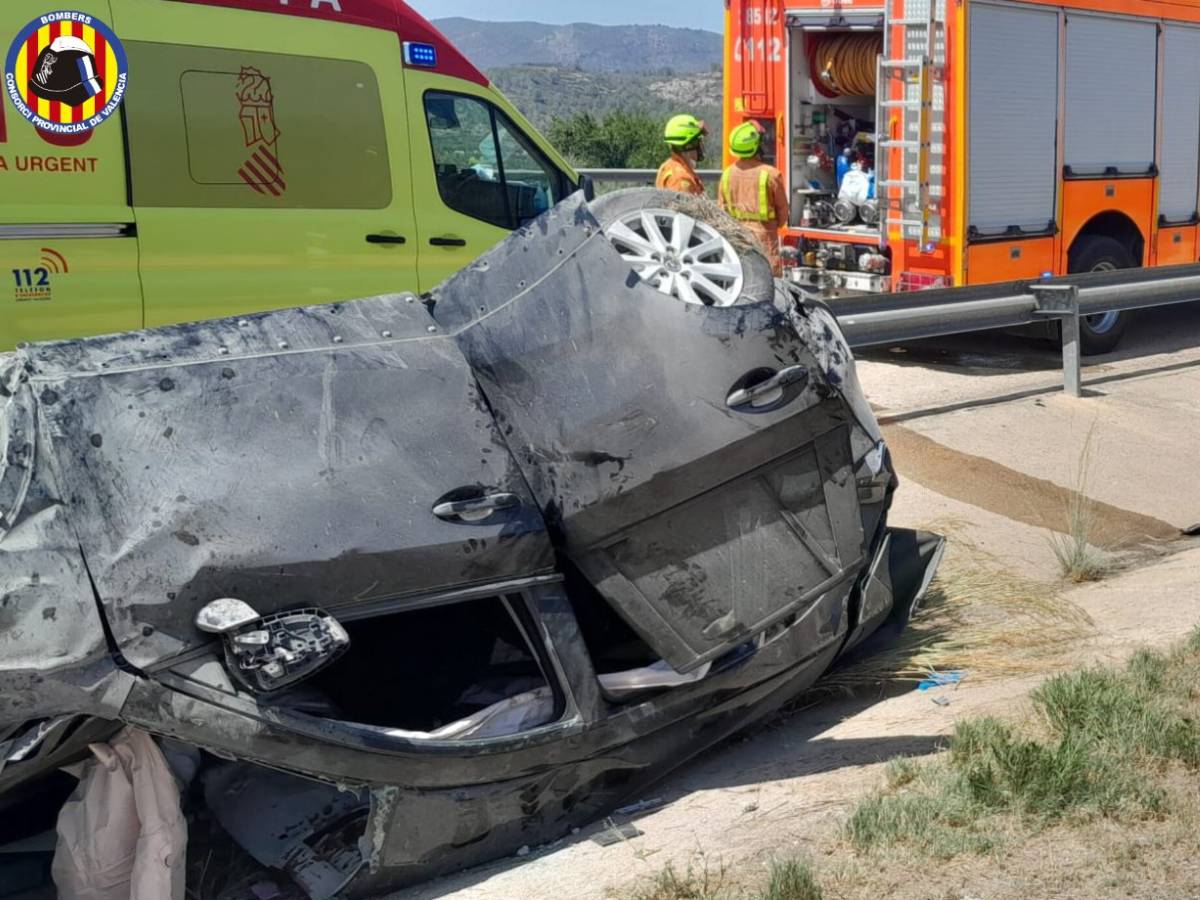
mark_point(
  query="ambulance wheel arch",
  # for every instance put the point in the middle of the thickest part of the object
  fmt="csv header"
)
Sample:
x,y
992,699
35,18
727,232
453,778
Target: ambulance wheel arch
x,y
480,170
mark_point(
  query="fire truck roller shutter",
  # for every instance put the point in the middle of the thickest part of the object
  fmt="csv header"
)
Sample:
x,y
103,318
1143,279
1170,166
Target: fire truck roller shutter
x,y
1014,118
1112,74
1181,123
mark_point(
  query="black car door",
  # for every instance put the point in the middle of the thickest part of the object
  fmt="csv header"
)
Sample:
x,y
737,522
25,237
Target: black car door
x,y
323,457
691,461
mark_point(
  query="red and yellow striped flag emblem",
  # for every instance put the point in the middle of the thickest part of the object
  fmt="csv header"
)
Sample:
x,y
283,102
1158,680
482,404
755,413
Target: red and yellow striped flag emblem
x,y
106,71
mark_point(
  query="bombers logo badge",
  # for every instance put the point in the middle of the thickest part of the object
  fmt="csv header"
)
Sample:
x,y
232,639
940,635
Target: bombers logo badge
x,y
66,72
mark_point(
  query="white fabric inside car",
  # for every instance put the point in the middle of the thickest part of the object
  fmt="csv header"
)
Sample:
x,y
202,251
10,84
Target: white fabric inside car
x,y
122,834
620,685
510,716
532,709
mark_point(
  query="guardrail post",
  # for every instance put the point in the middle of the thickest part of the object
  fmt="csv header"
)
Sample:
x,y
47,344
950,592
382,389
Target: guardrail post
x,y
1061,301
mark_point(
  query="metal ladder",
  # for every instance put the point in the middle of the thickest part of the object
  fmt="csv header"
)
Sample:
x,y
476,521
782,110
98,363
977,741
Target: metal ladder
x,y
916,207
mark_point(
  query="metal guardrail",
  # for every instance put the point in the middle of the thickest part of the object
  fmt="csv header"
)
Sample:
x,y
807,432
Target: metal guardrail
x,y
870,321
641,176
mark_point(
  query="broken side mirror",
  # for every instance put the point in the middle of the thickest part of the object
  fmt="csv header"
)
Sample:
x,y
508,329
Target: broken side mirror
x,y
269,653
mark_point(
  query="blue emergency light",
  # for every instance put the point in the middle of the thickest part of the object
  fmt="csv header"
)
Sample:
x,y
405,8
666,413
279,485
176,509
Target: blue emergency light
x,y
421,55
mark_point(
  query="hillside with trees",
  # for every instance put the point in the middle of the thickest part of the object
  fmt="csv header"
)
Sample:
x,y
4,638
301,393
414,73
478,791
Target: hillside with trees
x,y
601,94
563,101
593,48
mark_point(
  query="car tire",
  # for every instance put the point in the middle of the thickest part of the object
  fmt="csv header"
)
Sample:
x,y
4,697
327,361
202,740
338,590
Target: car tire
x,y
735,273
1097,253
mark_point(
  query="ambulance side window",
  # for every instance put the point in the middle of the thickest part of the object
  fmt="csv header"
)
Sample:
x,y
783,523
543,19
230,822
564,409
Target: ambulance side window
x,y
485,167
534,185
210,127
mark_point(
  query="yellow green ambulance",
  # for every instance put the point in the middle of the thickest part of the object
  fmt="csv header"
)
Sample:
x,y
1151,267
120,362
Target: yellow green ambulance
x,y
263,154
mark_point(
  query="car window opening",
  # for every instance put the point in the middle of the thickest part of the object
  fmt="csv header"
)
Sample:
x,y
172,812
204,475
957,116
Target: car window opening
x,y
612,644
627,668
454,672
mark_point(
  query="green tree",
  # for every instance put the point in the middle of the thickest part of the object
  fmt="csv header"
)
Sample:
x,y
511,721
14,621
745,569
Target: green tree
x,y
619,140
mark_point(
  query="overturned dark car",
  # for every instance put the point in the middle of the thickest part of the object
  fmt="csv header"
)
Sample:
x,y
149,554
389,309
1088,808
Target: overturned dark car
x,y
439,577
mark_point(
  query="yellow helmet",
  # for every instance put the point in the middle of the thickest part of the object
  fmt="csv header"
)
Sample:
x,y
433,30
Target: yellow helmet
x,y
683,131
746,140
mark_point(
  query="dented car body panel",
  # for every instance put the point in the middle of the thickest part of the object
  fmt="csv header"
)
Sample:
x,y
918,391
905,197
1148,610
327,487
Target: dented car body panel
x,y
545,435
292,458
702,520
54,660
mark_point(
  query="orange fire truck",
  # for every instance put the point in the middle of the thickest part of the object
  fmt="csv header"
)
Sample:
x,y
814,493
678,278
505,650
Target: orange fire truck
x,y
948,143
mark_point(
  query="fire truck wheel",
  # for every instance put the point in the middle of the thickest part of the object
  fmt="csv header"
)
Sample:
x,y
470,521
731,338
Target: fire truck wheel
x,y
1096,253
686,247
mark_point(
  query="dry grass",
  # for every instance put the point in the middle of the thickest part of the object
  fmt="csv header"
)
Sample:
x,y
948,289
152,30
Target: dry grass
x,y
705,209
979,618
1078,557
696,883
792,879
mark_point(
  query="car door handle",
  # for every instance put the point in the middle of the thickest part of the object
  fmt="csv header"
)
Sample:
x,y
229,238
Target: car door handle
x,y
386,239
447,242
769,391
476,509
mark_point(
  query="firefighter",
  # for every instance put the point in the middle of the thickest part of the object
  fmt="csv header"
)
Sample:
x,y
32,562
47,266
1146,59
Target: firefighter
x,y
685,138
753,192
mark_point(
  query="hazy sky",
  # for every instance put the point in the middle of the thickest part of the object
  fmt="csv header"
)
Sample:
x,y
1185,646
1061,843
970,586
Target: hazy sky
x,y
709,14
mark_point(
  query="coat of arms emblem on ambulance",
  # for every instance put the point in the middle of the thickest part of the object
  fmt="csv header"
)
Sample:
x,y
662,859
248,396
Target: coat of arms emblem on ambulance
x,y
262,169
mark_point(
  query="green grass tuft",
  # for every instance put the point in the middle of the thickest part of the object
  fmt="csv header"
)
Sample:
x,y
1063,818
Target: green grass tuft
x,y
792,880
902,771
1099,745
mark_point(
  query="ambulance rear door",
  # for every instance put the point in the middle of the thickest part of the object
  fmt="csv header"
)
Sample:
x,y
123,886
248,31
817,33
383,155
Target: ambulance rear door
x,y
68,247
